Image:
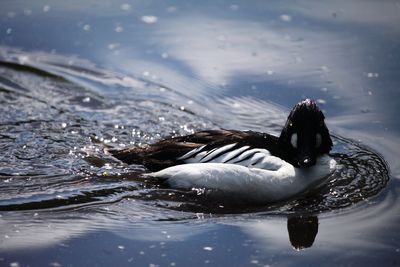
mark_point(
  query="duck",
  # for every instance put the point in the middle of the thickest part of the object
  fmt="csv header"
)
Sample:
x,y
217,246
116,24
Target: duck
x,y
249,165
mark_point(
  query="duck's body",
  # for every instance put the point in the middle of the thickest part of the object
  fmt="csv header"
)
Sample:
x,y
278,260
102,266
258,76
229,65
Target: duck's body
x,y
218,146
251,184
260,166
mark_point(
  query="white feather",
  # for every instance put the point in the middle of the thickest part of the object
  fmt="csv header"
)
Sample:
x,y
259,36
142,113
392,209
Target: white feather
x,y
255,184
217,152
190,153
249,152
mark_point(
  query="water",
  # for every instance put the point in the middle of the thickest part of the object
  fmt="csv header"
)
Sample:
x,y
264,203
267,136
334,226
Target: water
x,y
78,77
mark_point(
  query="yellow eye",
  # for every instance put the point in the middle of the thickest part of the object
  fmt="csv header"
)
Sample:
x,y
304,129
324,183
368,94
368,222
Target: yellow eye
x,y
290,123
321,123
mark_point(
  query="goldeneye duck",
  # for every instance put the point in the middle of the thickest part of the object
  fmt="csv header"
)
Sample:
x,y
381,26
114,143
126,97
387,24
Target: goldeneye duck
x,y
257,166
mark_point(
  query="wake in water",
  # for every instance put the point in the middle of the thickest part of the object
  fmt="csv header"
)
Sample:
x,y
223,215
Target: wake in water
x,y
57,116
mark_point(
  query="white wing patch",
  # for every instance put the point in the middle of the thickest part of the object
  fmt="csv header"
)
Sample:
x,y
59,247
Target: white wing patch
x,y
216,151
244,156
232,155
190,153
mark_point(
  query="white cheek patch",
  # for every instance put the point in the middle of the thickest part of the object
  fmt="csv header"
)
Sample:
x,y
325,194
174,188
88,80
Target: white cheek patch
x,y
293,140
318,140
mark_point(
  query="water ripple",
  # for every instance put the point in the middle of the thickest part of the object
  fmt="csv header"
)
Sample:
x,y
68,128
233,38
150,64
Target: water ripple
x,y
56,118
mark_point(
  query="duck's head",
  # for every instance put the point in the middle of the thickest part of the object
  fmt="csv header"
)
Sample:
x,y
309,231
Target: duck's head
x,y
305,135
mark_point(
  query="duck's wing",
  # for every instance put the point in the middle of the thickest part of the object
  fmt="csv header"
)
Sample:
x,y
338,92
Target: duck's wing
x,y
204,146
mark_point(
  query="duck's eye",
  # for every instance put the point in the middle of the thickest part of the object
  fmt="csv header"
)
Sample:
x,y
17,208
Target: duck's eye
x,y
321,123
293,140
318,140
290,124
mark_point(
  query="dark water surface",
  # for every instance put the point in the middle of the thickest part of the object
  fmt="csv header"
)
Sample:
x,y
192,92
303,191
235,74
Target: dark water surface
x,y
79,76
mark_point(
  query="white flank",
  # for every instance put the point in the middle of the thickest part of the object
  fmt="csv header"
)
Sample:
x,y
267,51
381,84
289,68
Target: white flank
x,y
252,183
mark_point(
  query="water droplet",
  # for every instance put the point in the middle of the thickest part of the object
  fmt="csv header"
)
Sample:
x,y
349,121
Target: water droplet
x,y
164,55
23,59
200,216
270,72
46,8
208,248
121,247
9,30
126,7
149,19
86,27
372,75
63,125
321,101
86,100
119,28
286,17
113,46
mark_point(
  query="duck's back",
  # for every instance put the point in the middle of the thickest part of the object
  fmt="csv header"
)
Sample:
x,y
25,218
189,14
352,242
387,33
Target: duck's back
x,y
196,147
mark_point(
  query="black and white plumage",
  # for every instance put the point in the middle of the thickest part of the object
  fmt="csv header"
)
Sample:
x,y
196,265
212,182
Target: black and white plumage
x,y
259,165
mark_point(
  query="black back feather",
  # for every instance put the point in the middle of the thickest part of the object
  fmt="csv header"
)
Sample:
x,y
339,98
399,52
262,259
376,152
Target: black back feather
x,y
165,153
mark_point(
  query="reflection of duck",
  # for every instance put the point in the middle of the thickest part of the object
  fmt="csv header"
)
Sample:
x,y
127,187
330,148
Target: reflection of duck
x,y
259,166
302,231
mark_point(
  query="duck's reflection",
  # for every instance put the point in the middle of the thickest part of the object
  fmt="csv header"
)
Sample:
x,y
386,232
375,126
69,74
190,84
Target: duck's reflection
x,y
302,231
